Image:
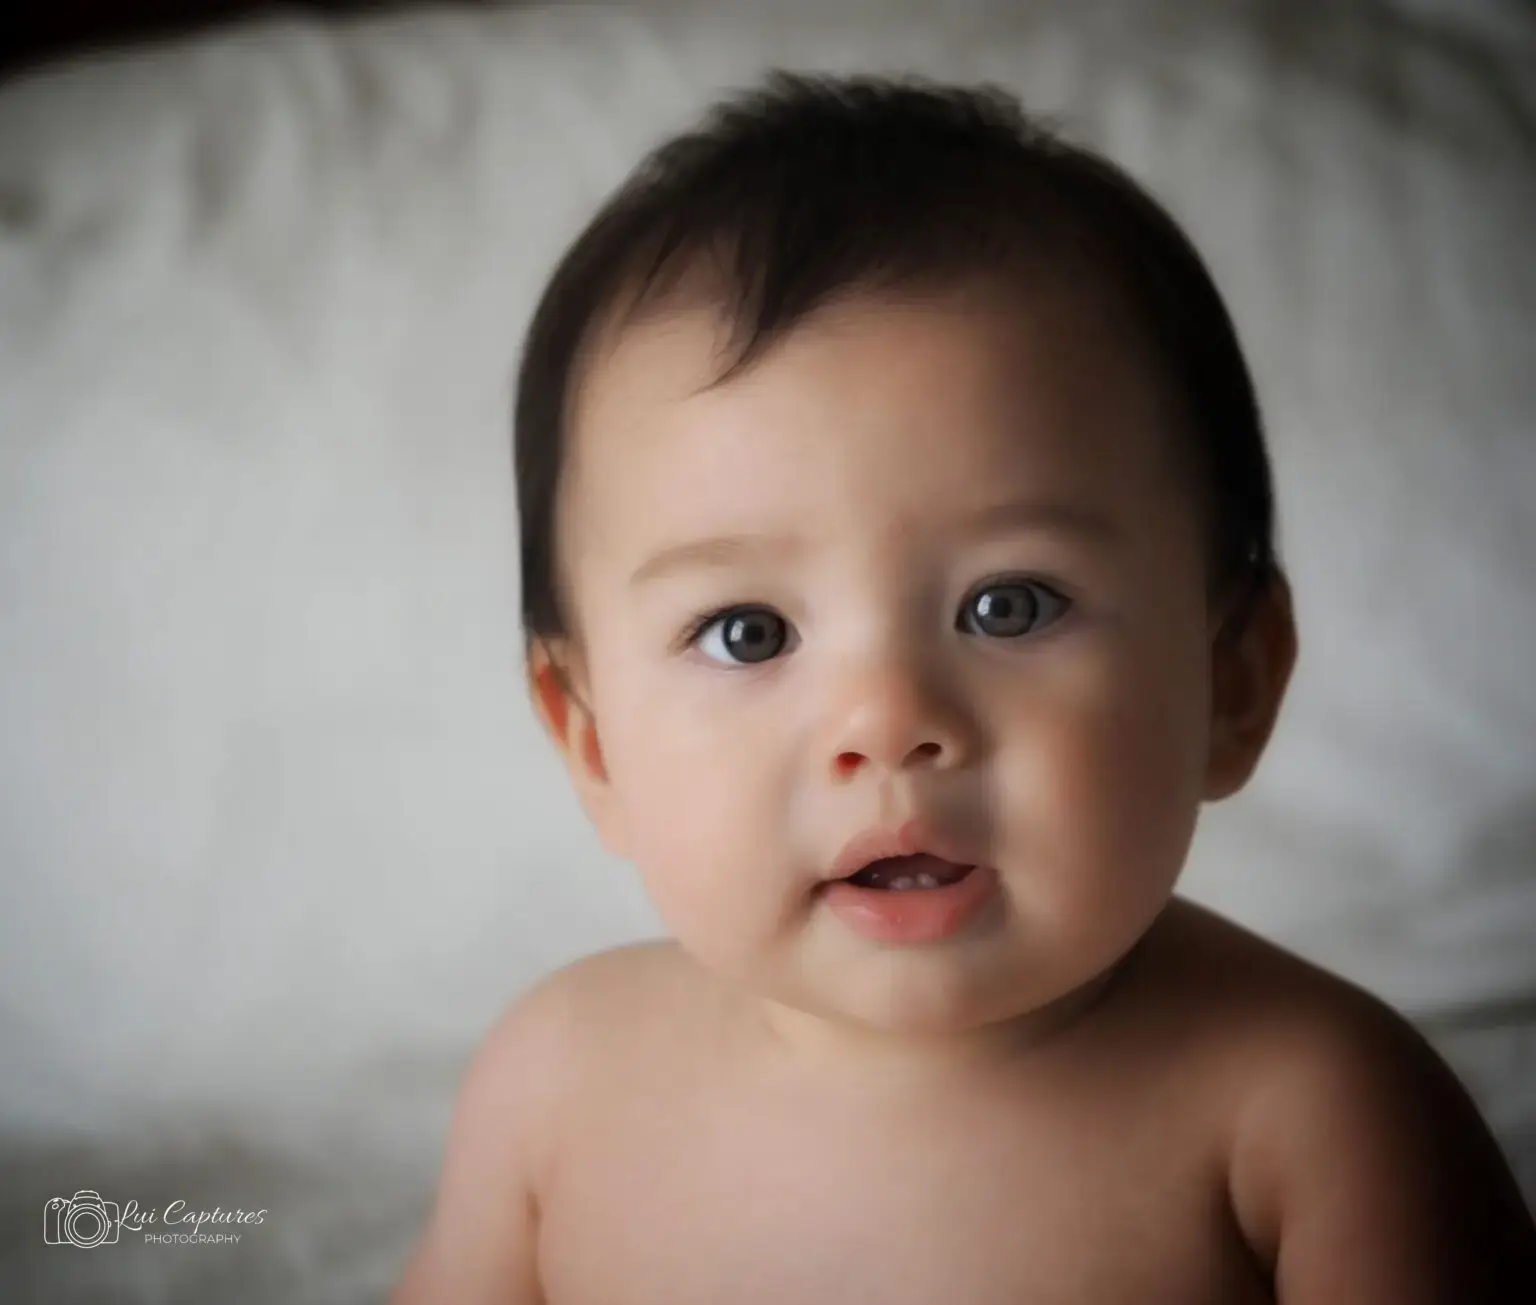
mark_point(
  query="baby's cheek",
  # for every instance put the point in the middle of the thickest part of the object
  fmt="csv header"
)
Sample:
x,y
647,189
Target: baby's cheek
x,y
1108,795
700,851
670,809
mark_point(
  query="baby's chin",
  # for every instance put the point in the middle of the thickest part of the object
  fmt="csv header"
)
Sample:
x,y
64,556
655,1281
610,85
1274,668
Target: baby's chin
x,y
909,997
993,983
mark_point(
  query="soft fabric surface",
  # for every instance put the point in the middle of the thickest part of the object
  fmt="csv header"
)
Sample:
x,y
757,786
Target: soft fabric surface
x,y
278,833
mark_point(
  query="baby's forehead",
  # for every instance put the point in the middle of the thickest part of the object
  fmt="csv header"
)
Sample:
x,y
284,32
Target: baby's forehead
x,y
682,347
883,399
1057,359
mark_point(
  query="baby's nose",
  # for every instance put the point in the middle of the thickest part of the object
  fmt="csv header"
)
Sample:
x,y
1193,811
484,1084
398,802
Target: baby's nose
x,y
893,717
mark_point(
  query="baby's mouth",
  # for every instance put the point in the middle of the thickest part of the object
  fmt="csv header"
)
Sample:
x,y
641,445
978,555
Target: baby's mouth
x,y
902,874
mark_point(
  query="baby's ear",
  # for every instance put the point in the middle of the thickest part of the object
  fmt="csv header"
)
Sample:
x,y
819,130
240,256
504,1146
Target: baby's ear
x,y
1250,668
556,685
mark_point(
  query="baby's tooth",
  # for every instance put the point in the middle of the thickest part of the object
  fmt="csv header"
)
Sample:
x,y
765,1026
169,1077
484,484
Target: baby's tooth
x,y
903,881
926,880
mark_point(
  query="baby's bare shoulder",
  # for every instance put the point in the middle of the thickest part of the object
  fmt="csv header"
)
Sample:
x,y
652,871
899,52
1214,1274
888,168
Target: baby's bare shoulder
x,y
1244,992
1296,1036
559,1035
508,1119
595,1006
629,986
594,993
615,973
1359,1165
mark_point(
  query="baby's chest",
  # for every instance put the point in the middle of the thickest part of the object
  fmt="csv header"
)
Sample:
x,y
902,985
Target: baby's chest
x,y
695,1212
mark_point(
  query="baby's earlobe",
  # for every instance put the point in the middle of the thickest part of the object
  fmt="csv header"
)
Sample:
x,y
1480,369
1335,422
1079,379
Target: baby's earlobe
x,y
1251,668
566,718
592,754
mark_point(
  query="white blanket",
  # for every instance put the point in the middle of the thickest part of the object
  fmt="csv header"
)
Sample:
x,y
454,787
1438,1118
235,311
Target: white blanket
x,y
278,834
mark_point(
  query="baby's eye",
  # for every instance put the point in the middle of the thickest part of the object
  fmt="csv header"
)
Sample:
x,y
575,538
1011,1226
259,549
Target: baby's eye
x,y
1012,608
745,635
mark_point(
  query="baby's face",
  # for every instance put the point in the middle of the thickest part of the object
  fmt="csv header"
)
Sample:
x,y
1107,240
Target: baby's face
x,y
973,572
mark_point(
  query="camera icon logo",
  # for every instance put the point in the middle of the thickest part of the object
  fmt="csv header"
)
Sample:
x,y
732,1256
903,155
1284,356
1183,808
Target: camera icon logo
x,y
83,1219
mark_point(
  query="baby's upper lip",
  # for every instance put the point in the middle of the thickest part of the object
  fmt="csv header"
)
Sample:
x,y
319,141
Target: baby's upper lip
x,y
907,839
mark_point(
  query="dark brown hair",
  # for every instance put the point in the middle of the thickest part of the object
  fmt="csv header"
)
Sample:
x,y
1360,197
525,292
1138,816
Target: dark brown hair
x,y
812,187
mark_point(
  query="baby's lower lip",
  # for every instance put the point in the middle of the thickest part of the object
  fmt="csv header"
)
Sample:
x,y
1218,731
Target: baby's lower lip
x,y
911,915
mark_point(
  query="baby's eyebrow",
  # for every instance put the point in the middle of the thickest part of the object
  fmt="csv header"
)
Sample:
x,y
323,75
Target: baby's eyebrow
x,y
720,551
1071,519
1076,520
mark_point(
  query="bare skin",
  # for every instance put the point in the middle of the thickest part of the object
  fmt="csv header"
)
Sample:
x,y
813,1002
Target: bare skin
x,y
1093,1093
673,1147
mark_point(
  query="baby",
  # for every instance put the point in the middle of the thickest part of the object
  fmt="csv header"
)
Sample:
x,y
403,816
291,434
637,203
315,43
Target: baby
x,y
899,581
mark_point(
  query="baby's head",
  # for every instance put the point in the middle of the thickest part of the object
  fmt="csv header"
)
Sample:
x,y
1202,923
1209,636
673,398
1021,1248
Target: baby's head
x,y
883,459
